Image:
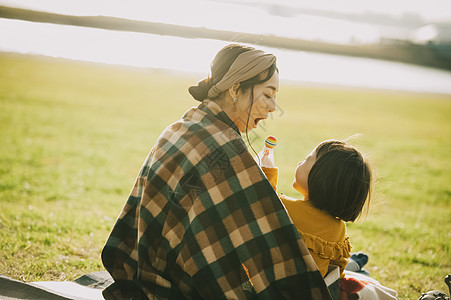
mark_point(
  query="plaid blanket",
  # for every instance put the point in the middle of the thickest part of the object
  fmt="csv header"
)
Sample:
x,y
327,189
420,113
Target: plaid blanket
x,y
203,222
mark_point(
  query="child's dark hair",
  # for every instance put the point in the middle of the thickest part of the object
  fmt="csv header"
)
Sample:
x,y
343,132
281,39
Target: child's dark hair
x,y
340,180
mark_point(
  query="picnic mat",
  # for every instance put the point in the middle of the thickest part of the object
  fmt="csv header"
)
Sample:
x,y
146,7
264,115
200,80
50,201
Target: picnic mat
x,y
90,286
86,287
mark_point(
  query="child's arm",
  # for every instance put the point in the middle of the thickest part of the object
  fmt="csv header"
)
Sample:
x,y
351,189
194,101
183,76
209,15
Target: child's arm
x,y
272,175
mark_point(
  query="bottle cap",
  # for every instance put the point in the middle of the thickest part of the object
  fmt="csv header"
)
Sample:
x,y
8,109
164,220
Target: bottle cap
x,y
270,141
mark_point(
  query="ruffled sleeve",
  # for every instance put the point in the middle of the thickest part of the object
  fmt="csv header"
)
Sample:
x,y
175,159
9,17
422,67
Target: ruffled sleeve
x,y
272,175
326,252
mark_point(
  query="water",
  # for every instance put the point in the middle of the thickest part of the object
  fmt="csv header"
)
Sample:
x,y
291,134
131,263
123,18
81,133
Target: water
x,y
195,55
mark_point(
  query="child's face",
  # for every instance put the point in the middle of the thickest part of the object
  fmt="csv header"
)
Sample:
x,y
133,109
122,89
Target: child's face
x,y
301,174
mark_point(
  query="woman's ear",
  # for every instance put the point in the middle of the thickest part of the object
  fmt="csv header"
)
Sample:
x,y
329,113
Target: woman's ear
x,y
233,90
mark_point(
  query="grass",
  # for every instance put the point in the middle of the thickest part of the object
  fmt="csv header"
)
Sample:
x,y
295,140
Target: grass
x,y
74,135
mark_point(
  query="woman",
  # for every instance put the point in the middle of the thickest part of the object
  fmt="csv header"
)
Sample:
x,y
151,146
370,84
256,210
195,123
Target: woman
x,y
202,220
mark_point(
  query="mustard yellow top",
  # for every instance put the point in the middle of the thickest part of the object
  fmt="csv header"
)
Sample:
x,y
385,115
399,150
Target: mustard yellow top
x,y
324,235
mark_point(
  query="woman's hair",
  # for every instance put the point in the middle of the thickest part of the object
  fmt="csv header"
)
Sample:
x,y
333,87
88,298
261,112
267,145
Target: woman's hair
x,y
219,67
340,180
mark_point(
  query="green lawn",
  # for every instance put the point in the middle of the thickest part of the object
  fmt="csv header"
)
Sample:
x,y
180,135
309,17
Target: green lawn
x,y
74,135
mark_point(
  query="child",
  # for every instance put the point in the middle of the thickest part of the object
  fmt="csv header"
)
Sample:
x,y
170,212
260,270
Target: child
x,y
335,180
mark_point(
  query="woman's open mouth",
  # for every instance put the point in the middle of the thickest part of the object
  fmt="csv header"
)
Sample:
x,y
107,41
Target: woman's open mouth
x,y
258,120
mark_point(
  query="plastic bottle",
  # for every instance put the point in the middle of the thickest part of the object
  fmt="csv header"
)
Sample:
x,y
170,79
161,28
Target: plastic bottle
x,y
265,158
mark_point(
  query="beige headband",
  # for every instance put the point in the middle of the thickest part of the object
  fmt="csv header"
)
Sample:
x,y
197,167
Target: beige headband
x,y
247,65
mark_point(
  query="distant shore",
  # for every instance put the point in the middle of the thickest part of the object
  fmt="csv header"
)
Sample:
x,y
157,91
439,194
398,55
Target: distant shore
x,y
405,52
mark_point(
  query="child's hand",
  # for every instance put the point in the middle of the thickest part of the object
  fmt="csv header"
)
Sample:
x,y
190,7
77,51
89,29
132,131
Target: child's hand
x,y
266,160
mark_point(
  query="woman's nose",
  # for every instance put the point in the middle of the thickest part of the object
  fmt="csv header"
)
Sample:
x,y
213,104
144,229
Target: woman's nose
x,y
272,105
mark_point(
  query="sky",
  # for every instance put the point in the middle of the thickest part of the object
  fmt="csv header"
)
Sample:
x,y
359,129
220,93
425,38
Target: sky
x,y
429,10
273,17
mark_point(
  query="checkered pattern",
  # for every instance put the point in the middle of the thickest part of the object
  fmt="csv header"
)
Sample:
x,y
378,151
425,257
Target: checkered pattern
x,y
203,222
